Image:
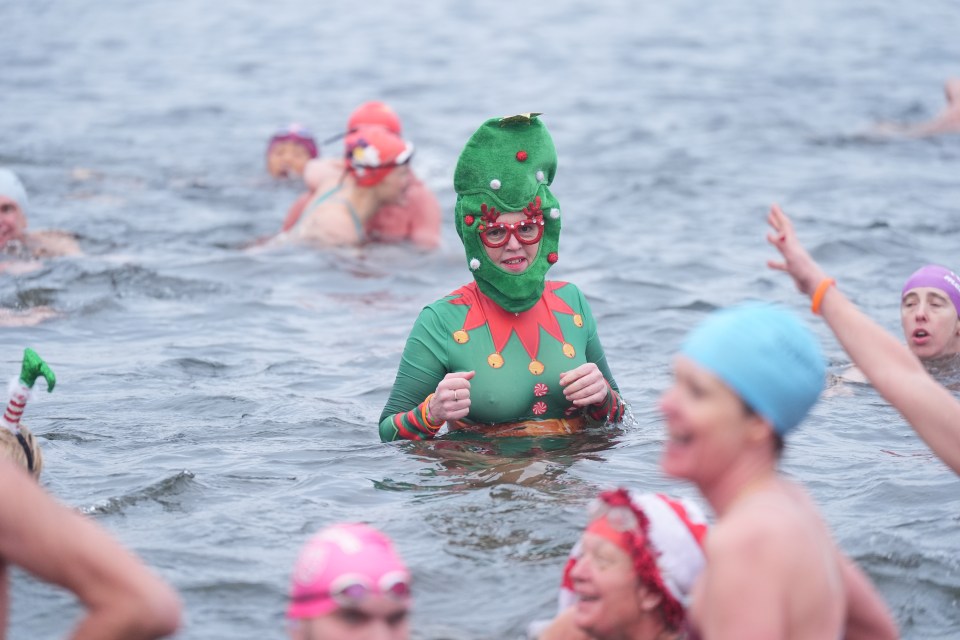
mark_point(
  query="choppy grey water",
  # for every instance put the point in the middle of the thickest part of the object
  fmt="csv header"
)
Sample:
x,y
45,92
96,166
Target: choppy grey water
x,y
215,406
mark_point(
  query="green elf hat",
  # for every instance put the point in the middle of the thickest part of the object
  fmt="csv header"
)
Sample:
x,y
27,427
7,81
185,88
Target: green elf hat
x,y
507,166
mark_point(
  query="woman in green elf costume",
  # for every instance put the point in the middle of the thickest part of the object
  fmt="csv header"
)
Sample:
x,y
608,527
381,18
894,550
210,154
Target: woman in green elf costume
x,y
510,354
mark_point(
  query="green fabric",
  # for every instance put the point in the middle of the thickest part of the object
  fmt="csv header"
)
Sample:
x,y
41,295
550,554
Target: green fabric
x,y
497,395
491,154
33,367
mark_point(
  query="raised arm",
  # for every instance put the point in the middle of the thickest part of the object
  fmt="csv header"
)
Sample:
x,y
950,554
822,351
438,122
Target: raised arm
x,y
886,362
123,599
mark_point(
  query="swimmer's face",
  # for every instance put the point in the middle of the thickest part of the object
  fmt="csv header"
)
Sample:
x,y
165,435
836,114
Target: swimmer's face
x,y
930,324
514,256
12,221
610,598
286,159
394,185
708,427
376,618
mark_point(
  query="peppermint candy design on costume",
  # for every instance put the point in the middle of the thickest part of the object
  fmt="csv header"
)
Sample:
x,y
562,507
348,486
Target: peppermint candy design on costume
x,y
572,409
540,390
539,408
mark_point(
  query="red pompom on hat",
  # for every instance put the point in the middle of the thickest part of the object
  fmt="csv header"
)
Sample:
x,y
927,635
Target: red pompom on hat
x,y
376,113
372,152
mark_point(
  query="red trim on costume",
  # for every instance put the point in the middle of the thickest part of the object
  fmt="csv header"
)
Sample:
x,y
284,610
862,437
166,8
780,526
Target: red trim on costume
x,y
527,324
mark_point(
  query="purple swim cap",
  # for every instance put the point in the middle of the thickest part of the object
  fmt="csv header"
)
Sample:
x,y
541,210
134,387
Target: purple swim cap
x,y
939,278
296,133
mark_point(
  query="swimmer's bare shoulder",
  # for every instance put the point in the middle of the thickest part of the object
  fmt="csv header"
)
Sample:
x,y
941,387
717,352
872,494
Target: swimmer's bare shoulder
x,y
53,243
329,224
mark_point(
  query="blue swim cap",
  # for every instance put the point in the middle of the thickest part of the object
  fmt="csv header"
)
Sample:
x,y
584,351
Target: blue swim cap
x,y
766,355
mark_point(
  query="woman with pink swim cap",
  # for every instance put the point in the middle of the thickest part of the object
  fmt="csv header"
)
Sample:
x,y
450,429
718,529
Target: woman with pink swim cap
x,y
349,584
631,574
894,370
414,217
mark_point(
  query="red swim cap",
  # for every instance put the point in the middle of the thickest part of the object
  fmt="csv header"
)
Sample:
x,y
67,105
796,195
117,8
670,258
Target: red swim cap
x,y
372,152
376,113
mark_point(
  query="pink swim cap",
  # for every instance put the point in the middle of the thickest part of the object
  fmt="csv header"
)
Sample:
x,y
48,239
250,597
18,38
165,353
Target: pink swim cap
x,y
341,566
376,113
373,151
937,277
295,133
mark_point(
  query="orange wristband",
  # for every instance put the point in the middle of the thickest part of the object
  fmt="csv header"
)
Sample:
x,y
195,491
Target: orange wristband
x,y
425,414
821,291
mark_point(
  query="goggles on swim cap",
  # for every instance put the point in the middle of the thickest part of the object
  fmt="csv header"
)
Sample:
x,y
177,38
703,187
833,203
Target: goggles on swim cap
x,y
353,589
372,152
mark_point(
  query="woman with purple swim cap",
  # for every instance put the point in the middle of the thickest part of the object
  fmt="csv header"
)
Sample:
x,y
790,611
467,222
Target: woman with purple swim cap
x,y
349,584
929,305
895,371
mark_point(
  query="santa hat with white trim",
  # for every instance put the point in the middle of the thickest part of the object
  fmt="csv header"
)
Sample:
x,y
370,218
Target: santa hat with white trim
x,y
675,531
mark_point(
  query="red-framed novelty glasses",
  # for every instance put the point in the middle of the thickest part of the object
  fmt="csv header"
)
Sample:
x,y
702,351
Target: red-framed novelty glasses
x,y
497,234
351,589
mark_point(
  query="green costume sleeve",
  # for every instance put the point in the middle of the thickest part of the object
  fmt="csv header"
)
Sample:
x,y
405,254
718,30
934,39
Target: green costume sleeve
x,y
612,409
422,367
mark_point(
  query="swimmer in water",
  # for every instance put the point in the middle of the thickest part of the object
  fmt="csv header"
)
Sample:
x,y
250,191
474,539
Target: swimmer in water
x,y
18,247
510,354
947,121
22,251
349,584
893,369
377,172
929,304
630,575
743,381
289,151
415,217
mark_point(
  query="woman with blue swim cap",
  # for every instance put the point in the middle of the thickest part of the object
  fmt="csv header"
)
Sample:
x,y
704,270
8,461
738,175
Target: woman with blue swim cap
x,y
892,368
744,380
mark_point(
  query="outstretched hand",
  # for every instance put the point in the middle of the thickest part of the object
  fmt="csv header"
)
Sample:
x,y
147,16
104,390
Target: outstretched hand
x,y
806,273
34,367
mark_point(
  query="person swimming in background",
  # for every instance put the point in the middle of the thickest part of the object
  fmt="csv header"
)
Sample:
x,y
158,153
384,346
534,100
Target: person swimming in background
x,y
414,218
929,316
510,354
947,121
930,313
20,249
349,583
631,574
377,172
894,370
743,381
23,251
16,441
289,151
